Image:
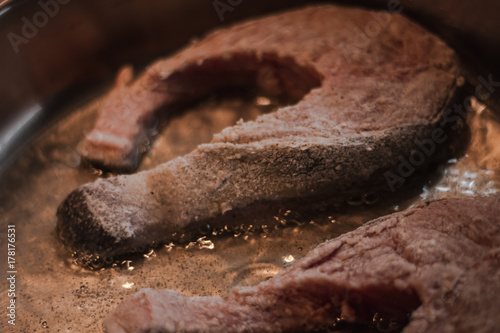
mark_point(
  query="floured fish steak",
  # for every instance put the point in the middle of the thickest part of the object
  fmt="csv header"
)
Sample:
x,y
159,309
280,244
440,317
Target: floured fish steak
x,y
440,262
356,113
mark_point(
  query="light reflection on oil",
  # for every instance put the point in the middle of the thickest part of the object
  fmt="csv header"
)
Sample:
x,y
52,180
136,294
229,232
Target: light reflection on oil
x,y
128,285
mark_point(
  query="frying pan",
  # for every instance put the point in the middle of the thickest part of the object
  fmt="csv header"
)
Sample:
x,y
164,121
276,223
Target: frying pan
x,y
55,53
